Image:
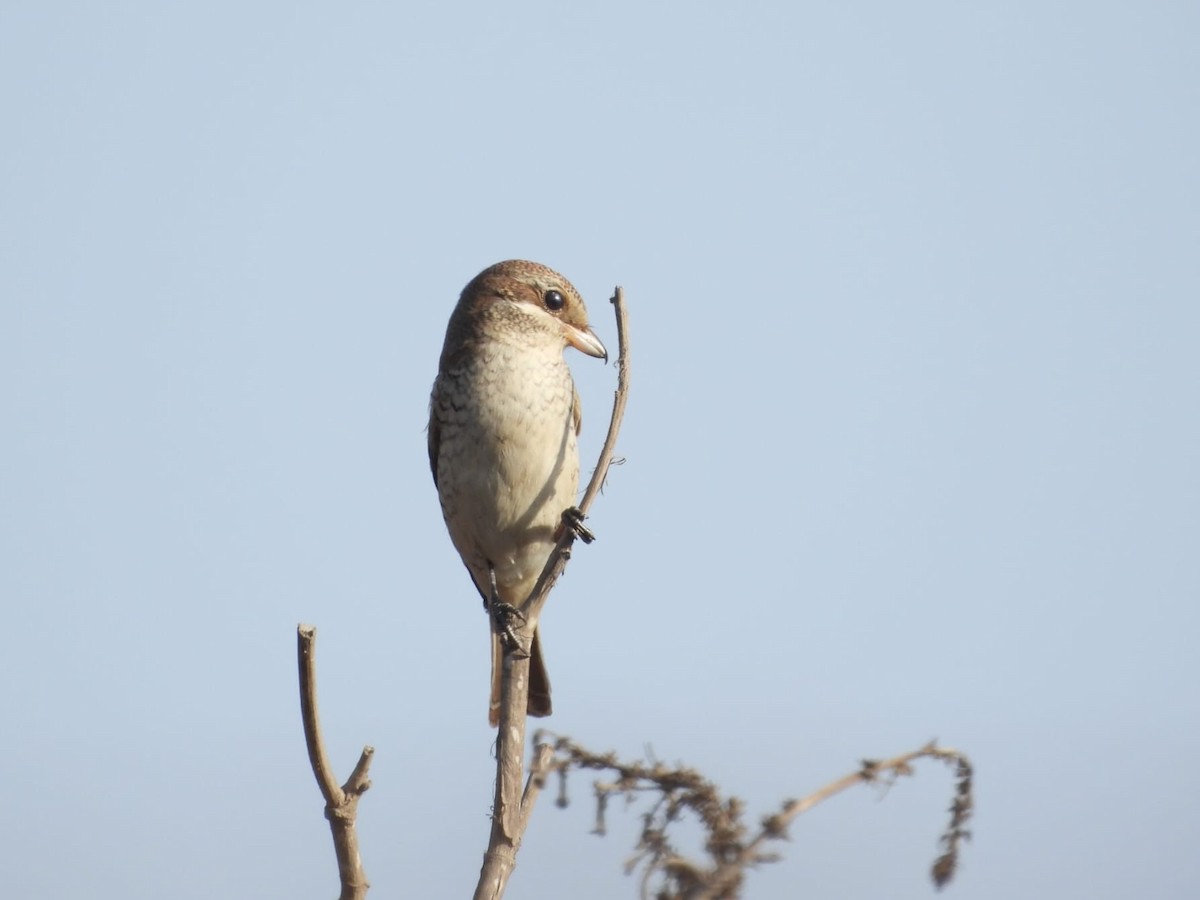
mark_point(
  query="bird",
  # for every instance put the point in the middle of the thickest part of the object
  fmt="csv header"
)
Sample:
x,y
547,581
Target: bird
x,y
504,420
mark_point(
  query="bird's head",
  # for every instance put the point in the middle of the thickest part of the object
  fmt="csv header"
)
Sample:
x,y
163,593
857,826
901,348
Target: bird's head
x,y
532,297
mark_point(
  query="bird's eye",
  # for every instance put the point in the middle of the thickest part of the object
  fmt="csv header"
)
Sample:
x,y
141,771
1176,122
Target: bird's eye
x,y
554,300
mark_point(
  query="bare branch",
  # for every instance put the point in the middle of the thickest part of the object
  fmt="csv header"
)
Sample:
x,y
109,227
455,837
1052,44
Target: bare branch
x,y
512,808
872,771
341,802
542,755
668,875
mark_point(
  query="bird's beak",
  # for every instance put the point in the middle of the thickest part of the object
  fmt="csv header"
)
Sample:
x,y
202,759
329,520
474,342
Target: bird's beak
x,y
585,341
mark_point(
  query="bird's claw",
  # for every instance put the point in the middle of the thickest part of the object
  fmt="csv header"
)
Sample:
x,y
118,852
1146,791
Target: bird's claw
x,y
504,615
573,518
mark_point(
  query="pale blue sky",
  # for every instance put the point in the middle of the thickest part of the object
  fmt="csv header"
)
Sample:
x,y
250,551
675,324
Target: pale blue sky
x,y
912,449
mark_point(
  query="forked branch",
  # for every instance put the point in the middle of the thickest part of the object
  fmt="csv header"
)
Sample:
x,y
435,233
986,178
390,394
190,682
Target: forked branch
x,y
341,802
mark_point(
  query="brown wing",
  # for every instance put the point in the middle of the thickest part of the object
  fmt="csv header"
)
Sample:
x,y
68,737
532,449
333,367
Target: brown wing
x,y
576,409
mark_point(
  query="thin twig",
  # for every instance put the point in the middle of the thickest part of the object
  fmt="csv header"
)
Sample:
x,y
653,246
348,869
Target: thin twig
x,y
731,850
341,802
620,398
511,809
729,873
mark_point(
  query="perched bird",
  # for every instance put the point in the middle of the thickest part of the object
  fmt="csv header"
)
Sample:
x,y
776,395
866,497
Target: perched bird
x,y
503,422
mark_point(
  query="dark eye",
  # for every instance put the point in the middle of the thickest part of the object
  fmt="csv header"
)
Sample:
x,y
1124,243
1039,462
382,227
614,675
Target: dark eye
x,y
554,300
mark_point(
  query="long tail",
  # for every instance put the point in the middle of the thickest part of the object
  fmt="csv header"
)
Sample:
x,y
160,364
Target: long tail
x,y
539,681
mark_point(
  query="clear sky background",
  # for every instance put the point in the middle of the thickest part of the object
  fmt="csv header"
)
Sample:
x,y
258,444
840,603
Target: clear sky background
x,y
912,448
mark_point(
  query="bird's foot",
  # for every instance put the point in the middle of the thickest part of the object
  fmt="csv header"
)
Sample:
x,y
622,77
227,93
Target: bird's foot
x,y
573,518
504,615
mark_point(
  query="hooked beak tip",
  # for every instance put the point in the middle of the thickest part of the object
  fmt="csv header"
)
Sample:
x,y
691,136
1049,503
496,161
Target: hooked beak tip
x,y
585,341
